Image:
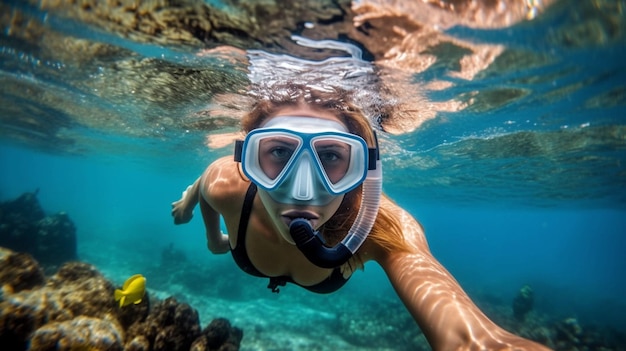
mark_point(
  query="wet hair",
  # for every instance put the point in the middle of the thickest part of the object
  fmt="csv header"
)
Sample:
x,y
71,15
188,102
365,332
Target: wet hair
x,y
387,232
337,102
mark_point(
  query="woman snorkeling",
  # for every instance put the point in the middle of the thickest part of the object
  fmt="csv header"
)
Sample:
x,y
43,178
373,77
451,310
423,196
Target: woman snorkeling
x,y
302,204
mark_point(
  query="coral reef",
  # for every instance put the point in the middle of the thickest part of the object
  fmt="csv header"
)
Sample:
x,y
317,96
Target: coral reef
x,y
218,335
523,302
169,326
78,333
25,273
24,227
570,335
559,332
74,309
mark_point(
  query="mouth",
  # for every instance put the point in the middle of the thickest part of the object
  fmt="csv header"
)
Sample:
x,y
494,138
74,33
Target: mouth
x,y
289,216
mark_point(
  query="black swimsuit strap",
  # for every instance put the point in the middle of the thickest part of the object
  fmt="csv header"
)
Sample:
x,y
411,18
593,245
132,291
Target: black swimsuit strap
x,y
240,255
246,210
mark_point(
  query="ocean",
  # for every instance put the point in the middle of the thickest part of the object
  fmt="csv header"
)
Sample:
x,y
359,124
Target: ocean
x,y
510,149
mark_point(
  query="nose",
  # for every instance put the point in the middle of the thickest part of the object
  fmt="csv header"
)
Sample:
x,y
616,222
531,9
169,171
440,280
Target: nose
x,y
302,187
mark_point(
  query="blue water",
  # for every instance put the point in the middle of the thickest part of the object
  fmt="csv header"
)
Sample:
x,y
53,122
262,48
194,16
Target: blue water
x,y
572,257
529,191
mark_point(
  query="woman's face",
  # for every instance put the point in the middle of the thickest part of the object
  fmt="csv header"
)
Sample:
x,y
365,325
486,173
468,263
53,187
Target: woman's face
x,y
282,214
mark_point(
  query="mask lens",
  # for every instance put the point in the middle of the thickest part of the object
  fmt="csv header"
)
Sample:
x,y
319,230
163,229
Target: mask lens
x,y
334,157
272,157
275,152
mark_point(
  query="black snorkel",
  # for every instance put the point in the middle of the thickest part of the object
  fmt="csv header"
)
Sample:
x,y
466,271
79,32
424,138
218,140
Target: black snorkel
x,y
312,246
311,243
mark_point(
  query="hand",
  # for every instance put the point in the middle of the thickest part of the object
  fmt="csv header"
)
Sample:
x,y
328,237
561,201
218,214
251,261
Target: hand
x,y
180,213
182,210
220,246
351,266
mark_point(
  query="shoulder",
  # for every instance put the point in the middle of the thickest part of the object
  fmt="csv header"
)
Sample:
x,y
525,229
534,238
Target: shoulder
x,y
223,165
395,231
412,230
223,180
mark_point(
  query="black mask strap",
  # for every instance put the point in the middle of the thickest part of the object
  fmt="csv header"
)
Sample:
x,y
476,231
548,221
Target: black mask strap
x,y
238,150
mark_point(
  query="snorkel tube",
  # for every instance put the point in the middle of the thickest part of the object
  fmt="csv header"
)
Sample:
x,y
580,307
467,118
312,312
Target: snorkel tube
x,y
311,243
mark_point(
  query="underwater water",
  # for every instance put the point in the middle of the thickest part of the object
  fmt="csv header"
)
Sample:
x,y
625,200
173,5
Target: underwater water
x,y
510,149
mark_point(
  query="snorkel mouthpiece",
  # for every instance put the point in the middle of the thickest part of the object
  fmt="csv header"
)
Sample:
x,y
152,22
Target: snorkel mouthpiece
x,y
311,243
312,246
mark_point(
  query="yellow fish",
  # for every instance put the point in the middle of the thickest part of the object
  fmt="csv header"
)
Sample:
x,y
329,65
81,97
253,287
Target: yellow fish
x,y
132,292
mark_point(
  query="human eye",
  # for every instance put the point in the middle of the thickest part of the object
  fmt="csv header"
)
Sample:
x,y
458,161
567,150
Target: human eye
x,y
334,158
329,156
274,154
332,151
281,152
278,149
335,161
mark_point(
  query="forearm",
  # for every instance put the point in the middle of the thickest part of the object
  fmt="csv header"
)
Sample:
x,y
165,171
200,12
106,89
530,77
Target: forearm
x,y
444,312
216,241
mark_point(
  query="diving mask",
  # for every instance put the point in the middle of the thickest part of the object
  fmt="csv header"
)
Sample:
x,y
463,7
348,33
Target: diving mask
x,y
304,159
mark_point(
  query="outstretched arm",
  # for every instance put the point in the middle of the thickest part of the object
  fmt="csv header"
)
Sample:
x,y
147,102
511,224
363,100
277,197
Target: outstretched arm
x,y
444,312
182,211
